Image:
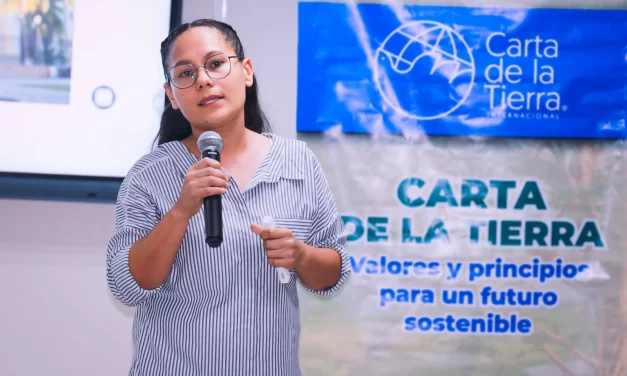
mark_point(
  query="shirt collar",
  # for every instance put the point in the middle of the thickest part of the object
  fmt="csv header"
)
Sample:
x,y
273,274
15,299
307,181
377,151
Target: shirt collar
x,y
282,162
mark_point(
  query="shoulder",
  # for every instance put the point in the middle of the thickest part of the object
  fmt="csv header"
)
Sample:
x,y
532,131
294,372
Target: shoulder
x,y
152,163
289,145
292,151
295,158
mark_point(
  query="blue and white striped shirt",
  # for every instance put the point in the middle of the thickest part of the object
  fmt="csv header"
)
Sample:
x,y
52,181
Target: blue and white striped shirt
x,y
222,311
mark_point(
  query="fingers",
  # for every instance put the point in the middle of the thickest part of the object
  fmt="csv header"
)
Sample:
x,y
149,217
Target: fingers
x,y
208,171
279,253
211,181
204,163
211,185
274,244
269,234
208,166
283,257
213,191
207,186
281,263
201,181
262,232
280,245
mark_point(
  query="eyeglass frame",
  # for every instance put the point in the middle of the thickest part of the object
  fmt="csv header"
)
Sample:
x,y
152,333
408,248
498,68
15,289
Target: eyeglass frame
x,y
195,68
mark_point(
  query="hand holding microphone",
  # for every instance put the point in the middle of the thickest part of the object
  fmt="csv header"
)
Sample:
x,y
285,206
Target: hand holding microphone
x,y
203,185
203,179
283,250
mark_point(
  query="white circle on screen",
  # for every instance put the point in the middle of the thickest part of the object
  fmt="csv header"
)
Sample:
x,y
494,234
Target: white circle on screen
x,y
103,97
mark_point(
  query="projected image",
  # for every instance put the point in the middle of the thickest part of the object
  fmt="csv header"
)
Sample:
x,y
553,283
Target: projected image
x,y
36,50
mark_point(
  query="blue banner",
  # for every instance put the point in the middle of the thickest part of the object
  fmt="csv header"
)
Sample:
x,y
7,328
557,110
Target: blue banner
x,y
458,71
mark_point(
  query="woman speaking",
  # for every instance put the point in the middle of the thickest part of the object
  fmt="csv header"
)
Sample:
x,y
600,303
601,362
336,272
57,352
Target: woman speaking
x,y
205,310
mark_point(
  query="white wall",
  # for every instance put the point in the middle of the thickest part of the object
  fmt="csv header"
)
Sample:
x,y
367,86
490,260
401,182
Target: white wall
x,y
56,314
268,30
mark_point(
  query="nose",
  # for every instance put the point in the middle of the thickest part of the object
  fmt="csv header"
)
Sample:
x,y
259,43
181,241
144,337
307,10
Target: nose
x,y
202,78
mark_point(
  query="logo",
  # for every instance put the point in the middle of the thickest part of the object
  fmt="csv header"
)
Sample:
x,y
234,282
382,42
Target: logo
x,y
520,82
426,70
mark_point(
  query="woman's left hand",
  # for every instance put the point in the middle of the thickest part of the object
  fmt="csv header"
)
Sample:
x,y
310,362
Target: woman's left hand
x,y
282,247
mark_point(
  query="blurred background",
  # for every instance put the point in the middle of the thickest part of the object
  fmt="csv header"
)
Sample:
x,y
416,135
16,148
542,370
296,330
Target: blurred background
x,y
36,50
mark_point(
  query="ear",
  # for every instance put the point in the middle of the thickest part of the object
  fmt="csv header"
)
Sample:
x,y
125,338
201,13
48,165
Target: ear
x,y
247,64
168,92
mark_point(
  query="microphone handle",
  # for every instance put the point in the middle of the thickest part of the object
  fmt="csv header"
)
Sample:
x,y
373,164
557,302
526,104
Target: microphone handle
x,y
212,207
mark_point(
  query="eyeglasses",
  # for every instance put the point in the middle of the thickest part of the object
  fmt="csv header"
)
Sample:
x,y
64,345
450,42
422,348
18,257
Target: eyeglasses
x,y
217,67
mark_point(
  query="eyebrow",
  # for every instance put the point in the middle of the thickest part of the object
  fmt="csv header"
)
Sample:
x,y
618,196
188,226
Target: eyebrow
x,y
207,55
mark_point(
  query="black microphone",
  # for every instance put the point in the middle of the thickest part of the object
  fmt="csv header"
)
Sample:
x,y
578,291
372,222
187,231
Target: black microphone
x,y
210,146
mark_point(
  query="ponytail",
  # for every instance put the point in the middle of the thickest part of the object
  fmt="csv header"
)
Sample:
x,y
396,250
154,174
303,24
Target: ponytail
x,y
174,126
254,117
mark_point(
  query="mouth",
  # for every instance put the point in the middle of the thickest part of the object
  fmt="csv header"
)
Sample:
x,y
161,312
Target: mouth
x,y
206,101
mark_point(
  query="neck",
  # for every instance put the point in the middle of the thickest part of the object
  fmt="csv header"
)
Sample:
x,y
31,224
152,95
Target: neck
x,y
235,139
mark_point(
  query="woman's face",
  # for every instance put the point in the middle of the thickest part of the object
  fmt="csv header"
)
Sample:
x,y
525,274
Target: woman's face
x,y
211,102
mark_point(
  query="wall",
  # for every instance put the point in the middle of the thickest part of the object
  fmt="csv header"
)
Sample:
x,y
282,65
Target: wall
x,y
56,313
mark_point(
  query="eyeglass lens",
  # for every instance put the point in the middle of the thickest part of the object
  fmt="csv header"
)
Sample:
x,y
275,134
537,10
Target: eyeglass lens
x,y
217,66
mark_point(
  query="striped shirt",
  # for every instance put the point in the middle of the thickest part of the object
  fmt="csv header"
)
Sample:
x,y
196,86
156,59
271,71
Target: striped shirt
x,y
222,311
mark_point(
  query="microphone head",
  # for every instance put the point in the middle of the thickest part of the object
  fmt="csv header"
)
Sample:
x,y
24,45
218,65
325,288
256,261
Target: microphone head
x,y
209,141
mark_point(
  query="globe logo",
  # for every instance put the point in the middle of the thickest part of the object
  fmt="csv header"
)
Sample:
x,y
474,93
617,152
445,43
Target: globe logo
x,y
424,70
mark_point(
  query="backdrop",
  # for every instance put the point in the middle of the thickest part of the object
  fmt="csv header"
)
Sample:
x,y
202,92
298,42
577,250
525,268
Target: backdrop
x,y
477,157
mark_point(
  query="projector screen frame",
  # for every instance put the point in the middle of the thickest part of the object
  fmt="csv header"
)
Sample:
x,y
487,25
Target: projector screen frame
x,y
50,187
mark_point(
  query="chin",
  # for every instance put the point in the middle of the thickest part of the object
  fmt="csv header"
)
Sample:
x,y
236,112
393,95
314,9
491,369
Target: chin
x,y
217,119
206,124
211,123
212,118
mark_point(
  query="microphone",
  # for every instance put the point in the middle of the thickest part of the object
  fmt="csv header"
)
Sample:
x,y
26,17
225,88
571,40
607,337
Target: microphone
x,y
210,145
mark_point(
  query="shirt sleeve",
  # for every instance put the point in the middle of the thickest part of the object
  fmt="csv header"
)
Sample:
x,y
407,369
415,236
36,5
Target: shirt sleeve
x,y
135,216
328,228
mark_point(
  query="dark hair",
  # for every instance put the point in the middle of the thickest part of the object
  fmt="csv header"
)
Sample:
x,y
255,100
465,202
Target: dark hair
x,y
174,126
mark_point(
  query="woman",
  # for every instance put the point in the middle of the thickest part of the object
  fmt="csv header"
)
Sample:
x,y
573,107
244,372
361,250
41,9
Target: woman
x,y
220,311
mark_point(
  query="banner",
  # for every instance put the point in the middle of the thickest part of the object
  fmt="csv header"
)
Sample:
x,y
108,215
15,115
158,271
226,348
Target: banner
x,y
461,71
498,253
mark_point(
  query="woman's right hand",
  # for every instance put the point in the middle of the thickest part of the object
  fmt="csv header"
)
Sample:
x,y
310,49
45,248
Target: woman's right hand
x,y
205,178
